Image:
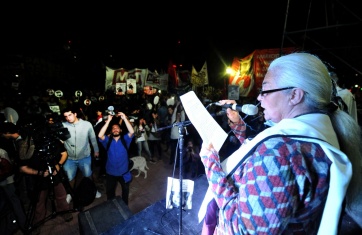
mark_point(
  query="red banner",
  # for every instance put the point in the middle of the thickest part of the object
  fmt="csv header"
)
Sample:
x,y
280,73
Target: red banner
x,y
249,71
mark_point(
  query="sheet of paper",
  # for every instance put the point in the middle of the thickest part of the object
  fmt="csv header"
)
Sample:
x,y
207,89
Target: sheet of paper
x,y
173,196
209,130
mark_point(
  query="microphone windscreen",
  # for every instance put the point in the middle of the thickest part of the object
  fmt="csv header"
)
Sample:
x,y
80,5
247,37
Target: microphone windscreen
x,y
249,109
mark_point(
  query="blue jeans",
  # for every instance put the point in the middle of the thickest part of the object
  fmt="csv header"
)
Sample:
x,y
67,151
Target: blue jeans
x,y
85,165
143,145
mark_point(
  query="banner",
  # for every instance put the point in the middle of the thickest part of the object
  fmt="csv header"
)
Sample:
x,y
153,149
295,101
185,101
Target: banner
x,y
204,73
123,81
156,80
139,76
249,71
194,77
199,79
243,76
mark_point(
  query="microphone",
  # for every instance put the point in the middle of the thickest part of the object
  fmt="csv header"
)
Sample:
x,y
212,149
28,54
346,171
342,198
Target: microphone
x,y
220,113
248,109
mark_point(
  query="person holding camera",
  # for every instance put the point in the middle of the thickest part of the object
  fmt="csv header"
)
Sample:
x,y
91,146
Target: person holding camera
x,y
141,130
192,160
154,138
117,145
8,194
40,158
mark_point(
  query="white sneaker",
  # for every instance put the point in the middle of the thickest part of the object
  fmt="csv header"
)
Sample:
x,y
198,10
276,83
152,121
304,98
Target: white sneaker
x,y
69,198
98,194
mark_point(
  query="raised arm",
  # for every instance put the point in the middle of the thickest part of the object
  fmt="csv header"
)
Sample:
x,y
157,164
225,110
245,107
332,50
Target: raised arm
x,y
103,130
128,124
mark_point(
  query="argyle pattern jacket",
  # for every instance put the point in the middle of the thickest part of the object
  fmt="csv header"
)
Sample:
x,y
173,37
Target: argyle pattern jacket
x,y
281,188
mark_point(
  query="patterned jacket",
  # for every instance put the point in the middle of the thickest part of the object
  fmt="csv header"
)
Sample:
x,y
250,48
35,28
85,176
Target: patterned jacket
x,y
281,188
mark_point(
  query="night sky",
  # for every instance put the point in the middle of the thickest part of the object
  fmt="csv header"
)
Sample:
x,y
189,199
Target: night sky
x,y
149,36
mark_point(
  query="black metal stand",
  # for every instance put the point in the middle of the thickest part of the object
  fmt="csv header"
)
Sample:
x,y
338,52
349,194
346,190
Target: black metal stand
x,y
181,127
51,196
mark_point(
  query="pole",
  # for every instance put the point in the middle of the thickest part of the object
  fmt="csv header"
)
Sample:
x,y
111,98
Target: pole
x,y
181,126
180,146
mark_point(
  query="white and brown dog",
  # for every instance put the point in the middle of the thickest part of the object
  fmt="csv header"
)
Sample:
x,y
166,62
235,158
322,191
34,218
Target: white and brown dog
x,y
140,164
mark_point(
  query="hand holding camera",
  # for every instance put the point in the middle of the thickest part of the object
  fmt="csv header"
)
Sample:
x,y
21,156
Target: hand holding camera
x,y
122,115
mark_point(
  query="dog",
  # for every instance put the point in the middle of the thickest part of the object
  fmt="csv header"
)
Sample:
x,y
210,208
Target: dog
x,y
140,164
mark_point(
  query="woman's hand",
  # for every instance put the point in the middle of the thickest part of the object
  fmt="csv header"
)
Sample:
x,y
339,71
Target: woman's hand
x,y
206,149
222,102
233,115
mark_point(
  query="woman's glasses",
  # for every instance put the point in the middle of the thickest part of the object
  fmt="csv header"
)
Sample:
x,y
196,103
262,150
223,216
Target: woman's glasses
x,y
263,93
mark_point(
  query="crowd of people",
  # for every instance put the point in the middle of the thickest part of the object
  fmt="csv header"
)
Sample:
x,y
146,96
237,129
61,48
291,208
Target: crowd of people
x,y
296,167
46,146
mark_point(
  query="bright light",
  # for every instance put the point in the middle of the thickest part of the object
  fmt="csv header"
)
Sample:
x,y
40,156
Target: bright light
x,y
230,71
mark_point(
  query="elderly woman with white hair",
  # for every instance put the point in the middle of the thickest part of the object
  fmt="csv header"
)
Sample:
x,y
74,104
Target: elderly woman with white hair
x,y
296,176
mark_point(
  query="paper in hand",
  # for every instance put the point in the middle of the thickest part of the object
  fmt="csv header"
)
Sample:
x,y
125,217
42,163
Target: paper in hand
x,y
209,130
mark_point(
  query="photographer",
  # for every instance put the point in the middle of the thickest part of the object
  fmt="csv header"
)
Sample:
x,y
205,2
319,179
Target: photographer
x,y
8,194
192,161
141,130
40,158
117,145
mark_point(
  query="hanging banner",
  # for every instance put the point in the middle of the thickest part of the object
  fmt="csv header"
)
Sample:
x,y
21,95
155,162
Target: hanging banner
x,y
119,78
249,71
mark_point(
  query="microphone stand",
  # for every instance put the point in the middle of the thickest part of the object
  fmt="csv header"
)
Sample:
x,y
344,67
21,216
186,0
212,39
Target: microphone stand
x,y
181,129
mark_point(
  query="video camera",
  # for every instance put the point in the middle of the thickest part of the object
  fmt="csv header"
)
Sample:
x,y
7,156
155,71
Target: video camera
x,y
45,136
58,131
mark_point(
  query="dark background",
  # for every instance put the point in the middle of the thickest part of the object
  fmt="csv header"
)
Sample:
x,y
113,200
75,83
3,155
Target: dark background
x,y
87,37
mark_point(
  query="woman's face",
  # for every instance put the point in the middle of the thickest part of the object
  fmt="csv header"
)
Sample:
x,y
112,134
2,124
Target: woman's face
x,y
275,104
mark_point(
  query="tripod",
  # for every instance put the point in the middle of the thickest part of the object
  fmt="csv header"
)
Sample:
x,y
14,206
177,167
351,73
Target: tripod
x,y
51,195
